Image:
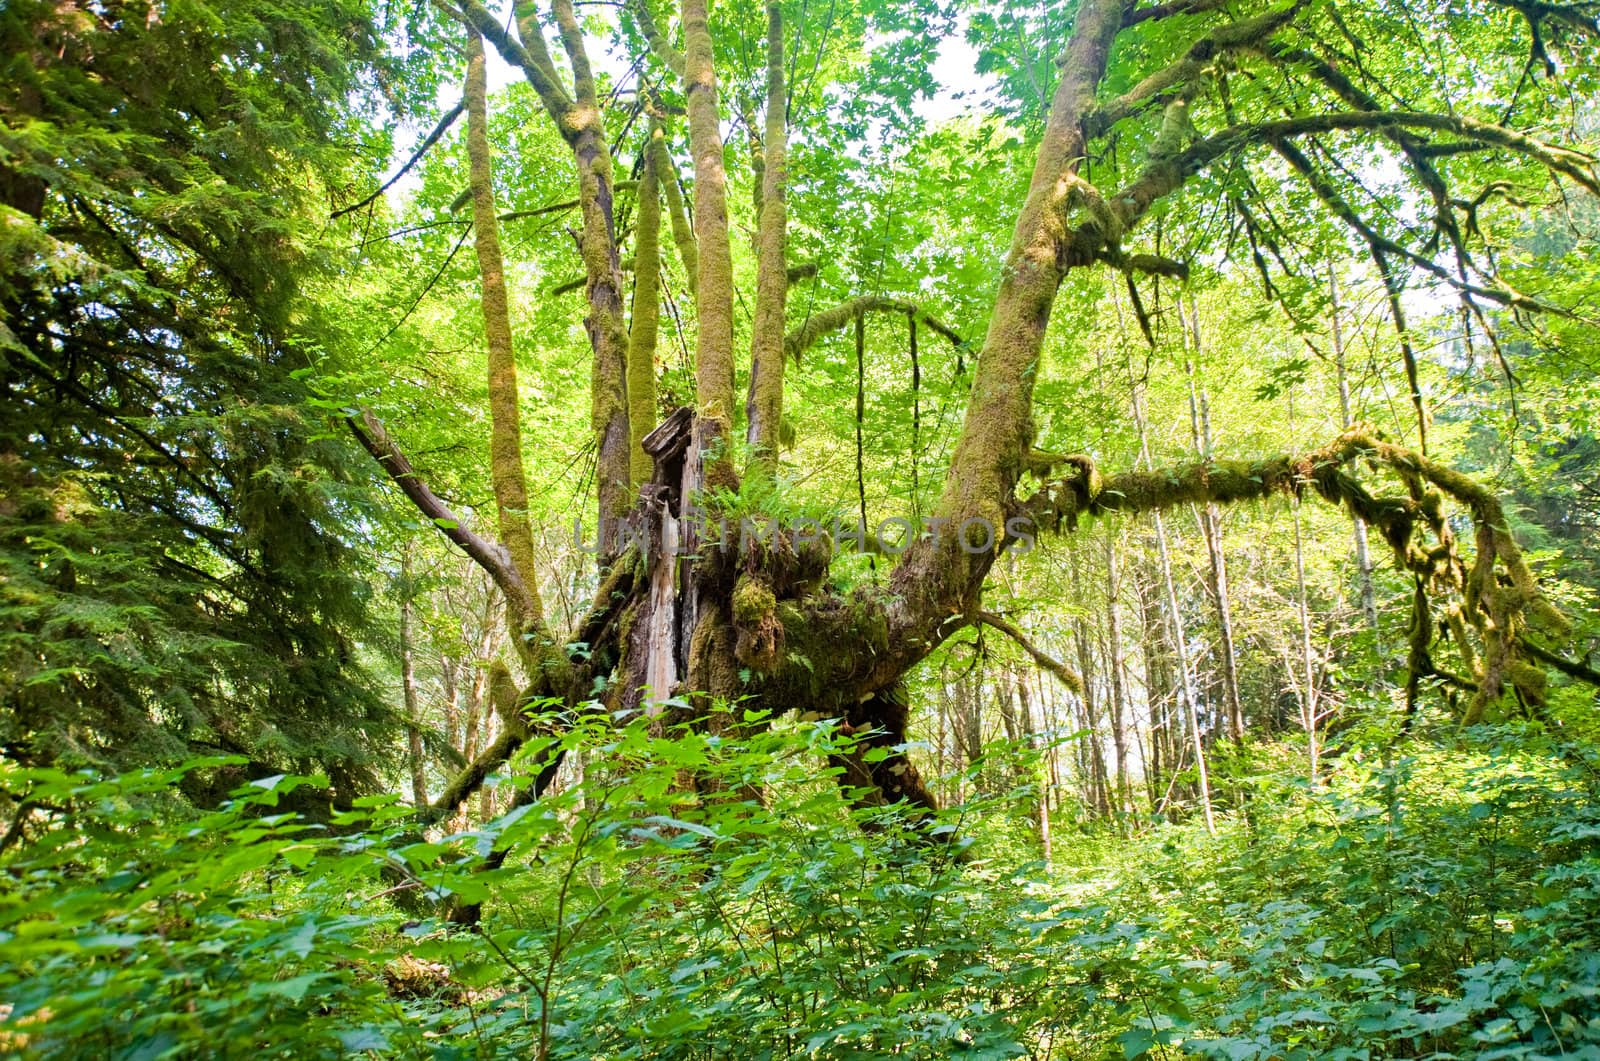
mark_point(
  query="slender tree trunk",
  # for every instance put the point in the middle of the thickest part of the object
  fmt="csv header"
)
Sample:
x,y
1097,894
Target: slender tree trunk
x,y
1043,805
1099,788
714,294
1179,641
1116,665
505,418
1156,690
1210,519
1308,695
765,405
1369,601
682,232
644,329
449,666
408,688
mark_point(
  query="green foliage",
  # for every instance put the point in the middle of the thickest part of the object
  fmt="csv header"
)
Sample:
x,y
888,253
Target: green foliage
x,y
1442,903
178,536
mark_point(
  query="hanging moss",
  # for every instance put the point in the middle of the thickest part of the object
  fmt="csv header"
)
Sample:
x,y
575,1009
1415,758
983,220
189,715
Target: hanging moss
x,y
1499,598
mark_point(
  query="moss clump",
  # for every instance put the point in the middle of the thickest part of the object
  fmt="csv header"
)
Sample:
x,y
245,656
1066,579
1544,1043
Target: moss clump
x,y
760,640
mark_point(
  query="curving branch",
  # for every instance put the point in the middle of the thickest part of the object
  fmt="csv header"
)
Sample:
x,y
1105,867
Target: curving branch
x,y
815,326
1063,673
416,156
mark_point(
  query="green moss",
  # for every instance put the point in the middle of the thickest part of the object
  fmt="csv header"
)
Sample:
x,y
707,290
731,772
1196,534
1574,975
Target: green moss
x,y
752,601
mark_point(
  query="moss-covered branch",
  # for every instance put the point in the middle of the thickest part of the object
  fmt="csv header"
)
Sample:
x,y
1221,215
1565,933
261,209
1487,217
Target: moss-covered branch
x,y
1499,597
816,325
660,46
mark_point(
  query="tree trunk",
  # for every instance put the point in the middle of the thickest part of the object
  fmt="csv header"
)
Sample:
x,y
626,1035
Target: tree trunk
x,y
408,688
1042,806
765,405
644,329
1179,641
1115,665
1369,601
1210,519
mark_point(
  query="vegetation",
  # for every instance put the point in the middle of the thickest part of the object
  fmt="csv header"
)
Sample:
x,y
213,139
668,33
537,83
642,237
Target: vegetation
x,y
915,528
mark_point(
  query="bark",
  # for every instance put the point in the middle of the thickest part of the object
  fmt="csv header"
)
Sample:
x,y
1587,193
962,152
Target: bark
x,y
644,331
764,408
714,293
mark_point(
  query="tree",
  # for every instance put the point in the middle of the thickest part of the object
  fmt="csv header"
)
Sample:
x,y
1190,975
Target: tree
x,y
179,536
1163,116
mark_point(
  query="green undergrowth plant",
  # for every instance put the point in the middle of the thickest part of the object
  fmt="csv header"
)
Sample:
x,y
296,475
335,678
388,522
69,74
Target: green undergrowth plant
x,y
696,896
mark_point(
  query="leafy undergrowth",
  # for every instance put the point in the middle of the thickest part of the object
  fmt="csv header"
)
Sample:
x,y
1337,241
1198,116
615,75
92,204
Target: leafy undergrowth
x,y
1443,903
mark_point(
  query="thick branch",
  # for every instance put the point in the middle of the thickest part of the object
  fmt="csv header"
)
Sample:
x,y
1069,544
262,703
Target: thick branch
x,y
1499,596
491,556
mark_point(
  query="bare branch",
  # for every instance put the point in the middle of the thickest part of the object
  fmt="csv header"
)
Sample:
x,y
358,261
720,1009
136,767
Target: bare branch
x,y
416,156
